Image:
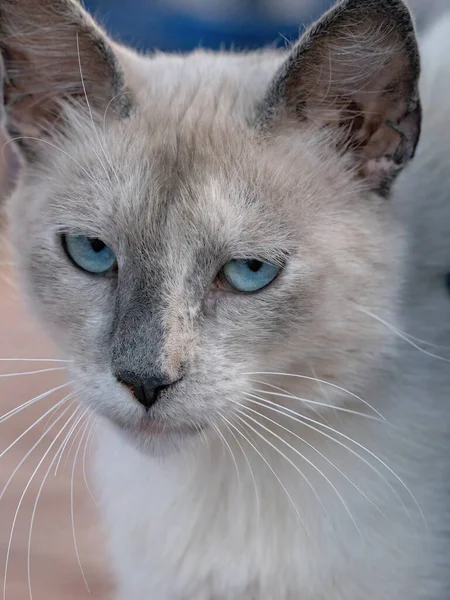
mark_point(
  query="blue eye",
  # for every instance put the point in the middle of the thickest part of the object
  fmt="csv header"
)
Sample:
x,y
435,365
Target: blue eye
x,y
249,275
90,254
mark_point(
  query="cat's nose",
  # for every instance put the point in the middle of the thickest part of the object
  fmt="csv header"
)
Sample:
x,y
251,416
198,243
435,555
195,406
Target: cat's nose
x,y
146,390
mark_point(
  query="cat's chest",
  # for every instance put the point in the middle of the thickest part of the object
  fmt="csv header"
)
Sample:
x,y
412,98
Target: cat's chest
x,y
219,536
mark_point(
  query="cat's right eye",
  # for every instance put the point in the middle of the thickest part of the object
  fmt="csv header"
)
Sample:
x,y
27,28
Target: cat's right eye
x,y
90,254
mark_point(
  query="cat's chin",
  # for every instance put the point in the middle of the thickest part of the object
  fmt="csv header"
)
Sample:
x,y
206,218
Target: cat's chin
x,y
158,438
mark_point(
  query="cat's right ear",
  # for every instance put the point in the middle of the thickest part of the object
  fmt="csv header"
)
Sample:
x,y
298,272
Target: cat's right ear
x,y
355,73
52,53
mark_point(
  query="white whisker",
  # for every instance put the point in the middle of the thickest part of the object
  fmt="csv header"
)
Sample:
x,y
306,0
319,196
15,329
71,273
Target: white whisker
x,y
36,139
72,512
422,341
302,521
227,445
322,404
66,441
72,444
48,412
86,445
401,335
23,496
92,120
10,283
333,385
109,104
318,452
205,441
280,389
32,372
229,425
2,493
50,360
310,463
28,403
306,421
299,471
30,531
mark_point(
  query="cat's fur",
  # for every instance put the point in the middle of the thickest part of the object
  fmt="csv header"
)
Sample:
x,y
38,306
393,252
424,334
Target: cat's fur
x,y
187,163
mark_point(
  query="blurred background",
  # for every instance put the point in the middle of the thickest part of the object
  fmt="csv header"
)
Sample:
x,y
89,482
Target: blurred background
x,y
181,25
64,533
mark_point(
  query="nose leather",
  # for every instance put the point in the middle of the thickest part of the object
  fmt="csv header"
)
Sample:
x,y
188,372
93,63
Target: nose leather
x,y
145,389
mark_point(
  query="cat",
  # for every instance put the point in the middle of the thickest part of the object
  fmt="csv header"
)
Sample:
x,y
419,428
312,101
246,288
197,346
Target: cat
x,y
228,250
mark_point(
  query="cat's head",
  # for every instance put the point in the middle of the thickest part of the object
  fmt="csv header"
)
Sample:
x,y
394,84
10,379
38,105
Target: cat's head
x,y
188,226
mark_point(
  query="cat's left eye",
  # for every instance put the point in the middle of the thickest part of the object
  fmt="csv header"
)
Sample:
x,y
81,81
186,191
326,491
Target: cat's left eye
x,y
90,254
249,275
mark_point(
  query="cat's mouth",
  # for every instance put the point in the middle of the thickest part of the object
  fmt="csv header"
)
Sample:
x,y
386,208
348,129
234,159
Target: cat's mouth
x,y
159,429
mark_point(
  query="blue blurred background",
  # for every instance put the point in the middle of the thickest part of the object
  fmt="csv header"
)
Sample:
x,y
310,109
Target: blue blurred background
x,y
181,25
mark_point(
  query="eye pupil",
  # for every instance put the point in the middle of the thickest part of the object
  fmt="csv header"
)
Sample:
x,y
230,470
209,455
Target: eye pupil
x,y
96,244
254,265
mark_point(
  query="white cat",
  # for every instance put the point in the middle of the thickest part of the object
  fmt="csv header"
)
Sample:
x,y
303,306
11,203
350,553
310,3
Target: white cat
x,y
213,240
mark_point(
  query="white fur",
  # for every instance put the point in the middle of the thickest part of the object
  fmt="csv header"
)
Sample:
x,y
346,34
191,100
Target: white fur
x,y
186,527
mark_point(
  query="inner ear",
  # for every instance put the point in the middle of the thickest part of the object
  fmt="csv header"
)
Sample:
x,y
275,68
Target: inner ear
x,y
52,53
356,71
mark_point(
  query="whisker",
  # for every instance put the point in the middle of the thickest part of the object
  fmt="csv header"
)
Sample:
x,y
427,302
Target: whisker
x,y
109,104
66,441
32,372
2,493
280,389
92,119
318,452
205,441
48,412
30,531
228,426
302,521
36,139
333,385
322,404
50,360
306,421
422,341
86,445
401,335
72,512
28,403
324,391
10,283
310,463
227,445
89,452
23,496
72,444
299,471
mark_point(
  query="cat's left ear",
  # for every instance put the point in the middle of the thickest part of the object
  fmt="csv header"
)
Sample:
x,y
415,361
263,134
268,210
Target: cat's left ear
x,y
356,72
53,54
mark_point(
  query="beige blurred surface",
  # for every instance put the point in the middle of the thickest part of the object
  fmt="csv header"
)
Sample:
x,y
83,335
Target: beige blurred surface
x,y
54,570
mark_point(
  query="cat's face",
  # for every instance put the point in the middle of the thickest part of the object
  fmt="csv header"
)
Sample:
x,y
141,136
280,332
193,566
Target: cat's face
x,y
214,226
